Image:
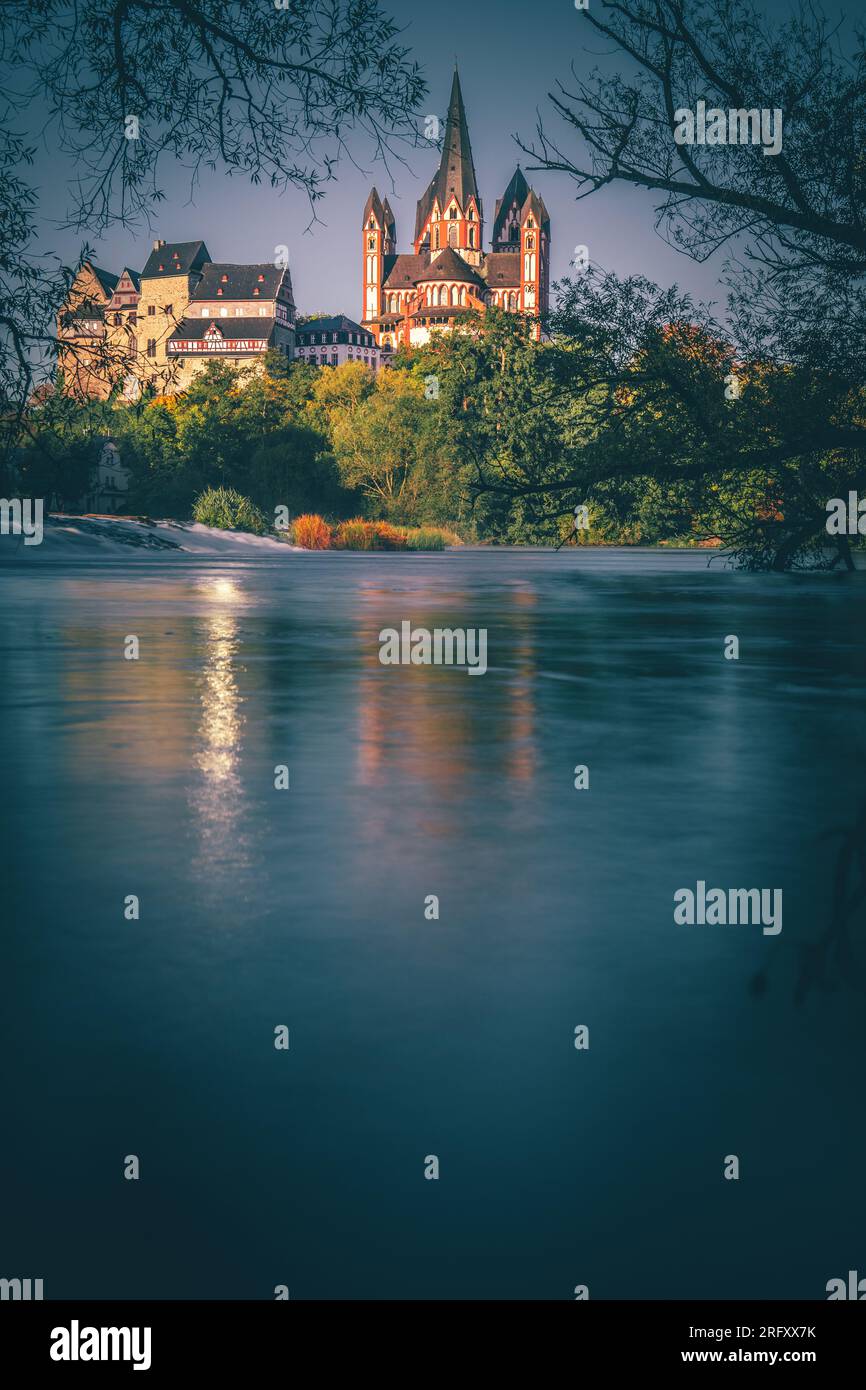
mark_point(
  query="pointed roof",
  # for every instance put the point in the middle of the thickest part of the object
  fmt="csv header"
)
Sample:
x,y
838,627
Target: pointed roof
x,y
374,205
388,216
455,176
535,204
456,171
516,192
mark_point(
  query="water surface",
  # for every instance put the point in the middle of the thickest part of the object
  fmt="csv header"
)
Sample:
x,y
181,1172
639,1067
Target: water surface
x,y
412,1037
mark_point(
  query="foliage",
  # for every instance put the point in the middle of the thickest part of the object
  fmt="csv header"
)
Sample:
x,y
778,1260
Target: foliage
x,y
272,93
311,532
228,510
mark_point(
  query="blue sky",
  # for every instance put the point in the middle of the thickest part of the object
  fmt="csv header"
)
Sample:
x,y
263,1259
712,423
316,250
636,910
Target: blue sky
x,y
509,56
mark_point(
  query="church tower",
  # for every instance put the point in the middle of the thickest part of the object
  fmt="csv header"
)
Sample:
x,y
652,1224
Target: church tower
x,y
379,235
535,254
449,275
449,213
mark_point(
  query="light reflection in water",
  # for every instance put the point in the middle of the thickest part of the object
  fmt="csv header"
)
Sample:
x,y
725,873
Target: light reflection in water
x,y
410,726
217,801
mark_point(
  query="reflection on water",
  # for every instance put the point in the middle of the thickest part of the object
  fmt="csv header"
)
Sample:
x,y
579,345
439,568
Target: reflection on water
x,y
411,1036
217,800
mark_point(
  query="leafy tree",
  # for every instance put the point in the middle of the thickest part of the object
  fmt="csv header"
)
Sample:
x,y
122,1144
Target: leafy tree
x,y
272,93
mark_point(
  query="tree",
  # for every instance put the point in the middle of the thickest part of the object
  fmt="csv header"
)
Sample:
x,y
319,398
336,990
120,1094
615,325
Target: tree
x,y
272,92
794,223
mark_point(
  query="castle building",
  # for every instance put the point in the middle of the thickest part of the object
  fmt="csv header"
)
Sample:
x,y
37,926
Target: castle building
x,y
163,326
407,296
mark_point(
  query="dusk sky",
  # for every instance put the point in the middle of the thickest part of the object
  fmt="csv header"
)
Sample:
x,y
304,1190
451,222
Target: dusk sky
x,y
509,56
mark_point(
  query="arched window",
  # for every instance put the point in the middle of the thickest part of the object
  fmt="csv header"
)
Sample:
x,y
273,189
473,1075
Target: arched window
x,y
471,236
371,243
529,266
455,295
452,234
463,294
530,242
436,239
512,302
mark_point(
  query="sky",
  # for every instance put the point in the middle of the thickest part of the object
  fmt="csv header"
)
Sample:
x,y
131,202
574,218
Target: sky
x,y
509,56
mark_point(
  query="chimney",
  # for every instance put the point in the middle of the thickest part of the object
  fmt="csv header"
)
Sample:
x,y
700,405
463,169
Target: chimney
x,y
157,245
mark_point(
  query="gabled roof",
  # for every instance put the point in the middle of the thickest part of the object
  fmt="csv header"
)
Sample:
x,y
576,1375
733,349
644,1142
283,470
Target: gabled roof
x,y
516,192
133,275
502,270
456,174
176,258
107,281
449,266
262,281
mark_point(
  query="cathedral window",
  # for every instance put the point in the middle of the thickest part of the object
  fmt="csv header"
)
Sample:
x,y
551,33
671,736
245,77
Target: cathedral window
x,y
530,242
471,236
371,243
455,295
436,239
452,235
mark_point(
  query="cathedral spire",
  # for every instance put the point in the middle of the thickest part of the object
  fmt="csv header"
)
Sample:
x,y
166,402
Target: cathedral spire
x,y
456,175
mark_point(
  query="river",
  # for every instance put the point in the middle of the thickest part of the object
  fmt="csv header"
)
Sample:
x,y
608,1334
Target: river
x,y
410,1035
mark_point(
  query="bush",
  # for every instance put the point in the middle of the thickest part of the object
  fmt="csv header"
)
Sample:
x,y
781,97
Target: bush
x,y
228,510
426,538
388,537
356,534
311,532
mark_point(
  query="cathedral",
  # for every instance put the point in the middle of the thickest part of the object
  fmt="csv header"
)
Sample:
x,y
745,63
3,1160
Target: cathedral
x,y
448,273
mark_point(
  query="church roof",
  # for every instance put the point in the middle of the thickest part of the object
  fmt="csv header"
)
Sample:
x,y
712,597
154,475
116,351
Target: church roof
x,y
374,205
456,174
535,204
502,270
516,192
404,271
449,266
